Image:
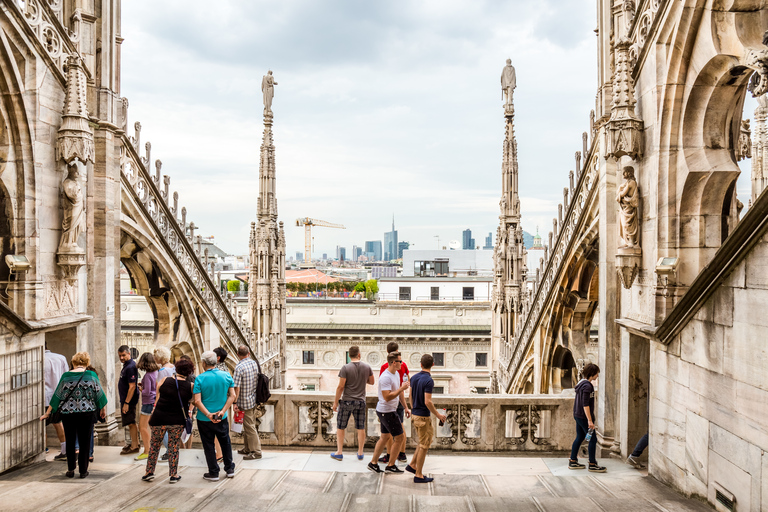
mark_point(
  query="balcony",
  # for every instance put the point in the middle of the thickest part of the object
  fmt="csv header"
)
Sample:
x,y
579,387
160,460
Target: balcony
x,y
476,423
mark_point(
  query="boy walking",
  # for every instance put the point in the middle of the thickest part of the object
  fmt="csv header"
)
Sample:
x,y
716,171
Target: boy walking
x,y
421,407
350,401
390,392
584,414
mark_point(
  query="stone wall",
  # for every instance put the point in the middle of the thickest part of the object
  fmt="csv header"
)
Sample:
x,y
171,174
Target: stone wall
x,y
709,393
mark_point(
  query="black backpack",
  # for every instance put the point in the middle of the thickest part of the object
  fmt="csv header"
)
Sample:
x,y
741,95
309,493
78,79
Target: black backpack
x,y
262,386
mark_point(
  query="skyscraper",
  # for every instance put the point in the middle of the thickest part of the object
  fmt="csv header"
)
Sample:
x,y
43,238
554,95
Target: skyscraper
x,y
488,242
341,253
467,242
390,243
373,250
402,246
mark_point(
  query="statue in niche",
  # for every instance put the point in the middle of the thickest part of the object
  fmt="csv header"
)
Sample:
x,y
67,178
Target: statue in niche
x,y
508,83
74,211
628,199
745,141
268,89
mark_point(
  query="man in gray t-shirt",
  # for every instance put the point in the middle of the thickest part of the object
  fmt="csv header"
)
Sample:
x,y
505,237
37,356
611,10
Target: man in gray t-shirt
x,y
353,377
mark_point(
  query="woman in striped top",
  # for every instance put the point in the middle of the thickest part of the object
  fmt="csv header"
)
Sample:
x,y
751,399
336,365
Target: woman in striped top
x,y
79,398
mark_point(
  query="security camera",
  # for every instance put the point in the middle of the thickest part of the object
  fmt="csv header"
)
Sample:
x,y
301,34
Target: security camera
x,y
17,262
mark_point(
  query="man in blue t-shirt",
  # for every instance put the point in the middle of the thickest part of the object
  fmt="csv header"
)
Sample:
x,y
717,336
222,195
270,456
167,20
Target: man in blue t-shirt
x,y
214,394
129,398
421,406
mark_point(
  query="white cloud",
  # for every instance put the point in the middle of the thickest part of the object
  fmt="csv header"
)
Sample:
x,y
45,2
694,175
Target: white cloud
x,y
380,108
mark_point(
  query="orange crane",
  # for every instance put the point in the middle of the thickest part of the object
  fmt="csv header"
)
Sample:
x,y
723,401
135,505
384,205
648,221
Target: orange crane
x,y
308,223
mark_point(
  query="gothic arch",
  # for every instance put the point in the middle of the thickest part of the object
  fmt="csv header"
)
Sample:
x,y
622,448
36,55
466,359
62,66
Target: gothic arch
x,y
164,290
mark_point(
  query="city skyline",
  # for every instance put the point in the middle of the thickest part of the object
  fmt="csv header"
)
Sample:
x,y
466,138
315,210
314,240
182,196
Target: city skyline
x,y
418,128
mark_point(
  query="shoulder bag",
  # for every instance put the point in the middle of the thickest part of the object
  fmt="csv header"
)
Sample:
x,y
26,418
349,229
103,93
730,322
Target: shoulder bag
x,y
187,420
55,416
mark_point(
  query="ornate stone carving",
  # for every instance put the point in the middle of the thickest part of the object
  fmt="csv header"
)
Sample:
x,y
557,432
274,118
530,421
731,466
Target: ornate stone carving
x,y
60,297
628,198
326,412
625,130
75,141
508,85
451,421
268,90
758,82
744,150
313,418
70,255
628,255
521,417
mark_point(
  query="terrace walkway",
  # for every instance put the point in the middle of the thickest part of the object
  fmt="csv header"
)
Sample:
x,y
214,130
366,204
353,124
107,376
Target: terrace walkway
x,y
289,480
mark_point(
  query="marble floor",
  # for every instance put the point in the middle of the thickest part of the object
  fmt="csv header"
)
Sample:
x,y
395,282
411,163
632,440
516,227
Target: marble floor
x,y
290,480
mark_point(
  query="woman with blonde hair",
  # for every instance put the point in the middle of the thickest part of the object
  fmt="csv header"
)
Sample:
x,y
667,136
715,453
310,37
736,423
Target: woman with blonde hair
x,y
148,387
79,398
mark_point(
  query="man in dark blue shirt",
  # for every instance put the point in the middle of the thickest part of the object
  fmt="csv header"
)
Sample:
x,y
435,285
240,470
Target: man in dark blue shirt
x,y
584,414
126,388
421,406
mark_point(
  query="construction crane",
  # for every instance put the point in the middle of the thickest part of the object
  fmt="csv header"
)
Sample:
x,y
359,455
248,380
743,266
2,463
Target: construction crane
x,y
308,223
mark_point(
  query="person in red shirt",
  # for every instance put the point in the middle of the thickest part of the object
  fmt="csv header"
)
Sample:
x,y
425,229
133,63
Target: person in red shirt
x,y
402,407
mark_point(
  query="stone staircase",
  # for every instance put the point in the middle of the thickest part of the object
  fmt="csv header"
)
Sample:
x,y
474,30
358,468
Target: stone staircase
x,y
310,481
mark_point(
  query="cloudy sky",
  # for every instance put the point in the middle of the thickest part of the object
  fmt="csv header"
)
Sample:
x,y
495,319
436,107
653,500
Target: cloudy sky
x,y
381,108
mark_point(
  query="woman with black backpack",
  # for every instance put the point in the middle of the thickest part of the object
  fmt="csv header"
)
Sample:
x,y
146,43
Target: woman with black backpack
x,y
79,401
171,415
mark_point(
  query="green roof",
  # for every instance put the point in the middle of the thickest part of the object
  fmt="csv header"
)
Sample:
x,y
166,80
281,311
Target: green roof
x,y
390,327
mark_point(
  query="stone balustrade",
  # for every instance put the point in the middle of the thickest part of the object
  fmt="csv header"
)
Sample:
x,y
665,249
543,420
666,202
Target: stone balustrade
x,y
476,423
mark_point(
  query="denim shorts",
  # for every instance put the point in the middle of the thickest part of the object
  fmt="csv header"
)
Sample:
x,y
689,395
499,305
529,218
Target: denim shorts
x,y
147,408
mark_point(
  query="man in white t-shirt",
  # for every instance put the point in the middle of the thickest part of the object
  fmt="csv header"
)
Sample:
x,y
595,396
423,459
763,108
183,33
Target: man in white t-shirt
x,y
390,390
55,366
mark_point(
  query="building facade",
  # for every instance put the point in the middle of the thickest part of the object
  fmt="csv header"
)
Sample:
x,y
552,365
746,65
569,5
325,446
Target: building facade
x,y
456,334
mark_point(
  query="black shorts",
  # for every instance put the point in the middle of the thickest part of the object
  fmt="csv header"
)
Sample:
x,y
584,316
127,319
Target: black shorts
x,y
390,423
349,408
129,418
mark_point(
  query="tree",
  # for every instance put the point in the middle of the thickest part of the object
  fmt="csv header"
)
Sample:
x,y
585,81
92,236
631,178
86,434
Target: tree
x,y
360,287
233,285
371,287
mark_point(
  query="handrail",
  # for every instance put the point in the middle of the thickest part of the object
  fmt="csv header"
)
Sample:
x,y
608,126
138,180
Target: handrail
x,y
173,236
585,187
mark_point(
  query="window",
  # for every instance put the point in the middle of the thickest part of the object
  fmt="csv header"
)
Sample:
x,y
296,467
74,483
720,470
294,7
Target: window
x,y
308,357
468,293
439,358
481,359
482,391
405,293
311,387
438,390
436,268
434,293
347,354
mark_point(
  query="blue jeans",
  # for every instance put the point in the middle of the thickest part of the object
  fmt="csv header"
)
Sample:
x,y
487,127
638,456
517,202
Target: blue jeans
x,y
642,444
208,432
582,426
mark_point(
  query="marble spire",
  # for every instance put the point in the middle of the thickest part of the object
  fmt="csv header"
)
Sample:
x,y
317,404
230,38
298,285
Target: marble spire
x,y
266,291
509,253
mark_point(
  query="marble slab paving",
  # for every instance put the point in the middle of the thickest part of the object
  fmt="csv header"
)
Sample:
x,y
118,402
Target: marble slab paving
x,y
483,504
442,504
459,485
378,503
518,487
355,483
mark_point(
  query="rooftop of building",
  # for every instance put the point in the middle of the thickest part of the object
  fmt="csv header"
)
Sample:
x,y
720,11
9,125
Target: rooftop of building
x,y
458,278
309,480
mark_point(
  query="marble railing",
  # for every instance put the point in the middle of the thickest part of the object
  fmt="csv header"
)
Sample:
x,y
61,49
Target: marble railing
x,y
482,423
568,228
177,235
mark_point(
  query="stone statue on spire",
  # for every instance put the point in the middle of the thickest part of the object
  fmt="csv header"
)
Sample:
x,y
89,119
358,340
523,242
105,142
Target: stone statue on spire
x,y
268,89
508,83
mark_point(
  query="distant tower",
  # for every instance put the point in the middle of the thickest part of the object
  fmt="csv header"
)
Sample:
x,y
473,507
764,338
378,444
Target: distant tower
x,y
509,254
266,293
